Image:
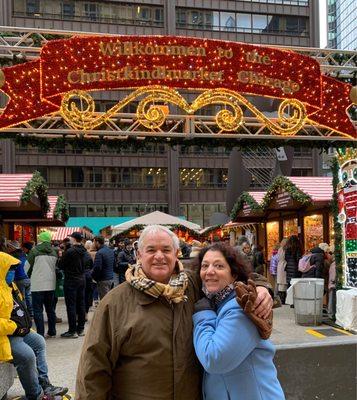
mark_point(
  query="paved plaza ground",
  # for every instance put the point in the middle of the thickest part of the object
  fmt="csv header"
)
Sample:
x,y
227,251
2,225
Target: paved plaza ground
x,y
63,354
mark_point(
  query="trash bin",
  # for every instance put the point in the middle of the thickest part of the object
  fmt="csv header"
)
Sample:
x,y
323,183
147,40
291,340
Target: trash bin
x,y
308,300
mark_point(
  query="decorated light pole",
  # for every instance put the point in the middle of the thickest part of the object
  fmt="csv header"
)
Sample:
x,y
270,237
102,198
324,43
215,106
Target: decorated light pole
x,y
347,214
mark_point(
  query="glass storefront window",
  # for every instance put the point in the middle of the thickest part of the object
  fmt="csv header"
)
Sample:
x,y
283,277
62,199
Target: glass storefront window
x,y
273,236
113,211
290,227
209,210
78,211
96,210
313,231
130,210
195,213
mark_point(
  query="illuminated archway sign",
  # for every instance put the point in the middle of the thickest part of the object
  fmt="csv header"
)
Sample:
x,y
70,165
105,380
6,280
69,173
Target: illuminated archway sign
x,y
155,66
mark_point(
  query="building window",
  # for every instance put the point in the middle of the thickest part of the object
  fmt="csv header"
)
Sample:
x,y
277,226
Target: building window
x,y
260,23
244,22
201,214
241,22
302,151
203,177
32,7
95,177
77,210
301,172
228,21
68,9
110,12
97,210
92,11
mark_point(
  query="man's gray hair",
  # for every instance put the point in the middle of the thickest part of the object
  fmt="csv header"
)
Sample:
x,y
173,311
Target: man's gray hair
x,y
156,229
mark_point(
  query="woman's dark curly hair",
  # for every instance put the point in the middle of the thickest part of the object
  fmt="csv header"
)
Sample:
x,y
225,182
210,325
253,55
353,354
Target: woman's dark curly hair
x,y
238,268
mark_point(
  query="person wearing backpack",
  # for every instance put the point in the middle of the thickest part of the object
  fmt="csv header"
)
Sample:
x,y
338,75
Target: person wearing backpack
x,y
316,268
74,263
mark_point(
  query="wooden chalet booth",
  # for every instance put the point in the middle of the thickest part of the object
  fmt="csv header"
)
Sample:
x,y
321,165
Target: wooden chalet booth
x,y
247,218
291,206
298,206
25,207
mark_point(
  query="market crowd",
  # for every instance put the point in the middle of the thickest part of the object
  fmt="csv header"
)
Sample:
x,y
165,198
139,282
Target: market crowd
x,y
87,274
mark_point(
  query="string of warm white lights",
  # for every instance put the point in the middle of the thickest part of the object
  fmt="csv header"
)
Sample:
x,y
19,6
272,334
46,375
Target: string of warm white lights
x,y
157,65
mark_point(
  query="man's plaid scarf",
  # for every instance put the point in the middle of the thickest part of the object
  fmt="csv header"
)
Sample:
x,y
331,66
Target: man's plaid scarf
x,y
174,291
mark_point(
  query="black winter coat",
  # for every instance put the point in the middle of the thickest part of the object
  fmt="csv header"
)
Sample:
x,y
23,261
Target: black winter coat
x,y
74,263
123,260
292,264
318,260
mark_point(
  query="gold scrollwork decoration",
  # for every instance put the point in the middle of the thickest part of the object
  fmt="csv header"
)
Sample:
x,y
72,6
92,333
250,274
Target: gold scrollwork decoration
x,y
151,113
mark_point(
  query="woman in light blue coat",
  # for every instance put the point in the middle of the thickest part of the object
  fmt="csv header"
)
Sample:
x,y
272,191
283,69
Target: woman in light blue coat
x,y
238,364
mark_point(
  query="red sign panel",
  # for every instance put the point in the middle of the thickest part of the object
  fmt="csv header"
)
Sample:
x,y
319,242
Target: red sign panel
x,y
112,62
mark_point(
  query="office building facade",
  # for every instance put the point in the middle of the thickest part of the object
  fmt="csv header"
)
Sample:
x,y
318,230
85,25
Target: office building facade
x,y
189,181
342,24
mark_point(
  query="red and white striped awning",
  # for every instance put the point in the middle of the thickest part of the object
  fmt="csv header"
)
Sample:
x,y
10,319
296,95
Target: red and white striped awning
x,y
12,186
319,188
53,201
257,196
64,231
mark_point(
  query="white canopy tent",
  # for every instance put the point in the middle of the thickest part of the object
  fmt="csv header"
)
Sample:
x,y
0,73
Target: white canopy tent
x,y
154,218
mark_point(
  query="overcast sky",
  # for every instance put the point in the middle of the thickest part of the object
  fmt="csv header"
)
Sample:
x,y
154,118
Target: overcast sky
x,y
323,23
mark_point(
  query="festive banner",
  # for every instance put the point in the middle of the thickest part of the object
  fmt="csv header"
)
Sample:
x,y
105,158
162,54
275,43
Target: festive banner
x,y
91,63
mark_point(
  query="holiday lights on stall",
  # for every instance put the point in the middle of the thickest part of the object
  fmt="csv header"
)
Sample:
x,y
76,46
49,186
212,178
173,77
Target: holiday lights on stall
x,y
155,66
347,214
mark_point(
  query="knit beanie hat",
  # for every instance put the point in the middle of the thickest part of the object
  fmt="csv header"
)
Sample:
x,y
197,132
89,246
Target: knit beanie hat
x,y
44,236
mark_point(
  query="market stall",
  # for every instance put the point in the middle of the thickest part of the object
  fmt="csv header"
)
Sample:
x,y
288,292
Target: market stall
x,y
247,215
58,234
290,206
25,207
298,206
184,229
23,200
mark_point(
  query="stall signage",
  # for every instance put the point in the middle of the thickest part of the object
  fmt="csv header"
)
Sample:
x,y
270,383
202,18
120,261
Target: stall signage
x,y
91,63
246,210
283,199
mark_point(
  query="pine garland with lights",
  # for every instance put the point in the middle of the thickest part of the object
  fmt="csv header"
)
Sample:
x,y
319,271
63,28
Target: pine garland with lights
x,y
61,210
117,144
337,226
245,197
37,186
282,182
140,227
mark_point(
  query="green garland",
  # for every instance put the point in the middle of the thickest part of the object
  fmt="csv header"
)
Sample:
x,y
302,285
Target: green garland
x,y
140,227
245,197
284,183
82,143
37,186
211,229
337,226
61,210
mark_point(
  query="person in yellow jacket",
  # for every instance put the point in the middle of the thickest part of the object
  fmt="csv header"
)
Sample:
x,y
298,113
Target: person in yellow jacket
x,y
18,343
7,326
